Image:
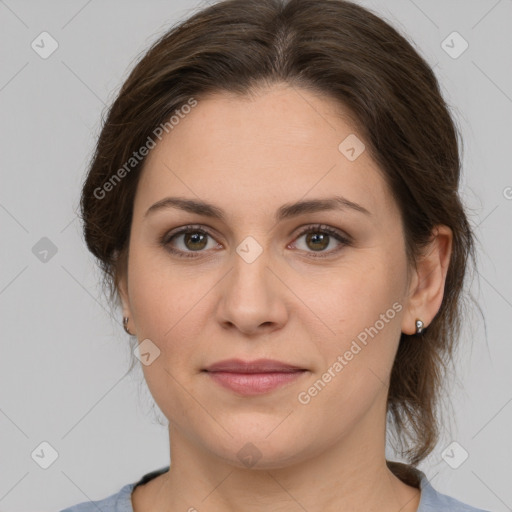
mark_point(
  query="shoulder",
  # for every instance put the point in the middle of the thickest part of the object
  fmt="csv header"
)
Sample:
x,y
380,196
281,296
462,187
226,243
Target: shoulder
x,y
118,502
432,500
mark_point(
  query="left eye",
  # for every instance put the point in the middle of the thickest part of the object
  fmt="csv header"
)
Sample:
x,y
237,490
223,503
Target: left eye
x,y
318,238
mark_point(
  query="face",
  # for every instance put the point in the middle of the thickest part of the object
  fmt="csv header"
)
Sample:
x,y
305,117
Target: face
x,y
322,289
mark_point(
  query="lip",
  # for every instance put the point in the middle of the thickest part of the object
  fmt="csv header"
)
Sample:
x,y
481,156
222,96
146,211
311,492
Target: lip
x,y
248,378
256,366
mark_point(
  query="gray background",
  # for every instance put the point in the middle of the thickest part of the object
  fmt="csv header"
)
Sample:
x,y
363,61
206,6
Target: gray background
x,y
64,358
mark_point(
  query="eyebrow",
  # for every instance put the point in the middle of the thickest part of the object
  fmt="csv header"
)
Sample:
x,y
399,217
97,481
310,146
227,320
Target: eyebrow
x,y
286,211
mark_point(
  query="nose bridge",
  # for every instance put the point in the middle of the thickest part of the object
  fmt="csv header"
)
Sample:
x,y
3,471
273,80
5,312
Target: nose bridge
x,y
251,296
250,278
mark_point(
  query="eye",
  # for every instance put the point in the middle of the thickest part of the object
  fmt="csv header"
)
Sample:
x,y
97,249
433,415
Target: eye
x,y
319,237
190,240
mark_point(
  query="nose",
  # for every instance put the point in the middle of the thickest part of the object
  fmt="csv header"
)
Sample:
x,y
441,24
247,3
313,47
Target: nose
x,y
252,298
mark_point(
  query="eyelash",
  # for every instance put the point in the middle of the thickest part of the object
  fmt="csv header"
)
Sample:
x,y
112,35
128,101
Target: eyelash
x,y
318,228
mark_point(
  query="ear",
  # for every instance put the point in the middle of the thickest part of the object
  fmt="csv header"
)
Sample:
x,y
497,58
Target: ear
x,y
426,287
121,279
122,286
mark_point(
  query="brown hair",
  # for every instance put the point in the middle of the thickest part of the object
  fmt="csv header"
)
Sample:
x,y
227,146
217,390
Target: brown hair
x,y
337,49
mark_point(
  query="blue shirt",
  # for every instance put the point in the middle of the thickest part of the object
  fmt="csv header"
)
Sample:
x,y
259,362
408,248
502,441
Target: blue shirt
x,y
430,501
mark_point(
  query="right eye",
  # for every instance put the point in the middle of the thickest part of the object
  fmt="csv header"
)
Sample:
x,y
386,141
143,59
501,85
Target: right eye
x,y
189,239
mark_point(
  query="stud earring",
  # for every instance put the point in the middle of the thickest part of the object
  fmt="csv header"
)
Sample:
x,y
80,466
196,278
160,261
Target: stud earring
x,y
125,325
419,327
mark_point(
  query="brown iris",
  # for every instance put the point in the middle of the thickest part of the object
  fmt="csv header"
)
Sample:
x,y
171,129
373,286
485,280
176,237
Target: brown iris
x,y
320,239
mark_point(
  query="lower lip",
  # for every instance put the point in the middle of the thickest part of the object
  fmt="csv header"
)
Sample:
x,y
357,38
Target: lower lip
x,y
254,383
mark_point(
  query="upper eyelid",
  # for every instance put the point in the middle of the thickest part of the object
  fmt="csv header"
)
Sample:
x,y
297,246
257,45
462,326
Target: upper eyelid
x,y
211,231
302,230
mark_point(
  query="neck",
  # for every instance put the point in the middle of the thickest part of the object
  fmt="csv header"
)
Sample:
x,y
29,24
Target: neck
x,y
349,475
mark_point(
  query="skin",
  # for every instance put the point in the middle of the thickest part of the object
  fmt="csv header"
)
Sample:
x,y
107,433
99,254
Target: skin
x,y
249,156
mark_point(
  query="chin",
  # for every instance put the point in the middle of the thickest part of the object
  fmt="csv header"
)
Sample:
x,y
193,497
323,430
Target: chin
x,y
260,451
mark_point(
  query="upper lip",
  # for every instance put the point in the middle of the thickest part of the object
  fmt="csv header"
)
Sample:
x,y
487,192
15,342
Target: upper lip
x,y
256,366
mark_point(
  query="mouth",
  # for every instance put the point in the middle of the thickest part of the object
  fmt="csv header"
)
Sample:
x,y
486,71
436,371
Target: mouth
x,y
253,377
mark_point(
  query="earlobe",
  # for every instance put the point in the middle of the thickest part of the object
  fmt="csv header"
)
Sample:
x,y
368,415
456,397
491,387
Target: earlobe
x,y
426,289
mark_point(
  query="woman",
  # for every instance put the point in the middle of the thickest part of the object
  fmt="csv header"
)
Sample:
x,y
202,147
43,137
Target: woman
x,y
274,201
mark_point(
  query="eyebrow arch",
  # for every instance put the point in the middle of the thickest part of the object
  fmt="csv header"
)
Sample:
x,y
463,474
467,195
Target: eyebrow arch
x,y
286,211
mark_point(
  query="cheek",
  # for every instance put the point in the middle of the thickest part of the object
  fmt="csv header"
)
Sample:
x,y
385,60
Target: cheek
x,y
164,305
362,306
364,311
353,297
161,297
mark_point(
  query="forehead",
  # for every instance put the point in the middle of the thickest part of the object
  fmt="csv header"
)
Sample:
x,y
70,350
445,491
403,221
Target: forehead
x,y
278,145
